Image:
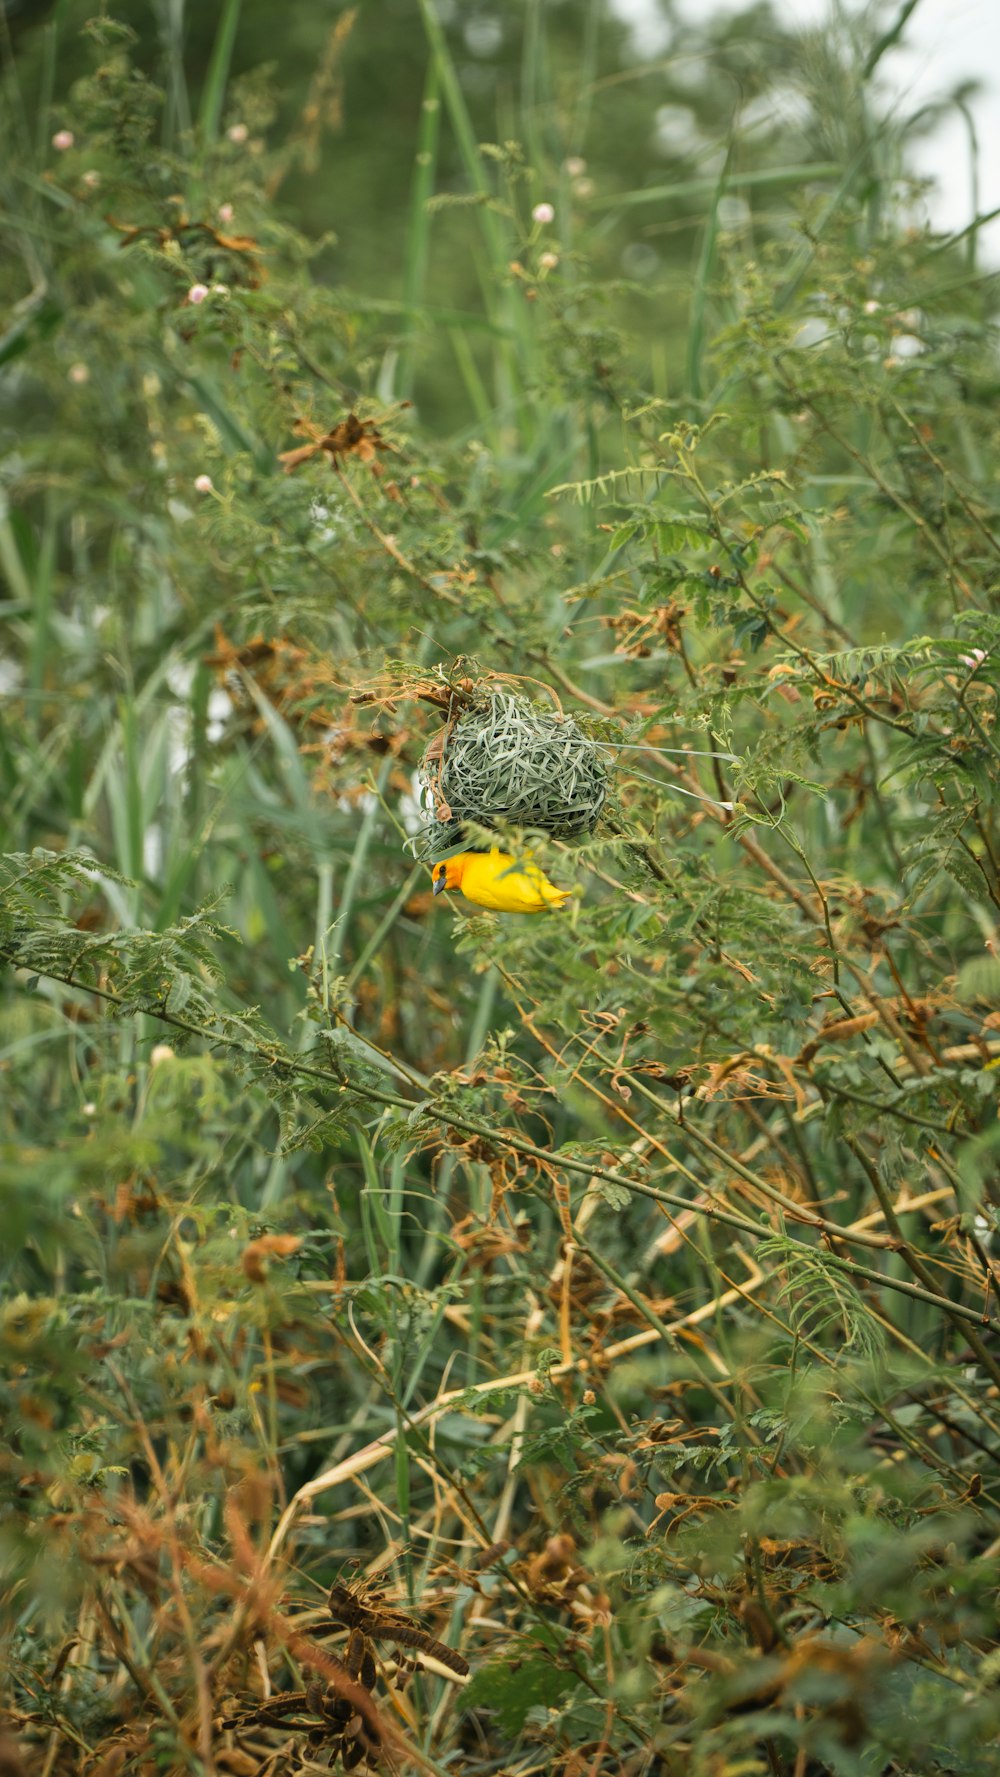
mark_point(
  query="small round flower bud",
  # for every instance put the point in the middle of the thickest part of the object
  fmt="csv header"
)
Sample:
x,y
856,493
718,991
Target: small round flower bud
x,y
197,293
543,213
62,140
204,484
237,132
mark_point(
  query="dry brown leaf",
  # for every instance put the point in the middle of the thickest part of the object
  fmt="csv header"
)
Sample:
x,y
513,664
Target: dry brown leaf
x,y
269,1246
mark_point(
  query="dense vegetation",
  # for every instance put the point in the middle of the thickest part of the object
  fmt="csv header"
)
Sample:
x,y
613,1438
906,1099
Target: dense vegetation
x,y
614,1284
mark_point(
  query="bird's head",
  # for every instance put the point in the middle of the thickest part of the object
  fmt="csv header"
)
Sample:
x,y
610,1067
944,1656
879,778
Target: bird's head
x,y
449,874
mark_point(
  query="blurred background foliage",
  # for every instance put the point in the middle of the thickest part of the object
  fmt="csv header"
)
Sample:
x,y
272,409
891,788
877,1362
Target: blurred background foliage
x,y
618,1285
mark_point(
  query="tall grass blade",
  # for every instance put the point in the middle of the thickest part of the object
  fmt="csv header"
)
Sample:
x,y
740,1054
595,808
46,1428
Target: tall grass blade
x,y
419,232
214,90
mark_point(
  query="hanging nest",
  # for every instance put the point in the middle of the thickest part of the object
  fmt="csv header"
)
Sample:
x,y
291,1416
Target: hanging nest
x,y
506,760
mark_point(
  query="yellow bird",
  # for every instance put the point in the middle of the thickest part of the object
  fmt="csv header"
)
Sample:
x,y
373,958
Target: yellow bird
x,y
495,879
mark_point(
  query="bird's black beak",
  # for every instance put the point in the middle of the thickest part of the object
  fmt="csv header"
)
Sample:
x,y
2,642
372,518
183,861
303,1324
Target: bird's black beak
x,y
439,883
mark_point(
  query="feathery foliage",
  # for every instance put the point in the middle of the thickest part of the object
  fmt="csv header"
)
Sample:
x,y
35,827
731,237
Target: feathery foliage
x,y
618,1285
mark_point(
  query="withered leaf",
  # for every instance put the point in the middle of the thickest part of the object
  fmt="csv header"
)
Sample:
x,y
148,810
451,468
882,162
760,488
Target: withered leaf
x,y
349,437
256,1255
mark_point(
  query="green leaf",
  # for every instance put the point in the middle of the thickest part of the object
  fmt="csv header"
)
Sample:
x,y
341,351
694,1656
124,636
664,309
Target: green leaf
x,y
526,1678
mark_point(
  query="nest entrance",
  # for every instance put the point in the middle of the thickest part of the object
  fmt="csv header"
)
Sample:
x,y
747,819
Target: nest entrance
x,y
504,759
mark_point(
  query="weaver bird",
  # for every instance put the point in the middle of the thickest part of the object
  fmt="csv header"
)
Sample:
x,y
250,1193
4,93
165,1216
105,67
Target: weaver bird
x,y
495,879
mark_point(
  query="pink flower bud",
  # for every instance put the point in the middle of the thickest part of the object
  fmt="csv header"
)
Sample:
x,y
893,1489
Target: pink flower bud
x,y
204,484
197,293
62,140
225,212
237,132
543,213
974,659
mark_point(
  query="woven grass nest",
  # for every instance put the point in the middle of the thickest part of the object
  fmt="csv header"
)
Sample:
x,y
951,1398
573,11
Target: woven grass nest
x,y
505,759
